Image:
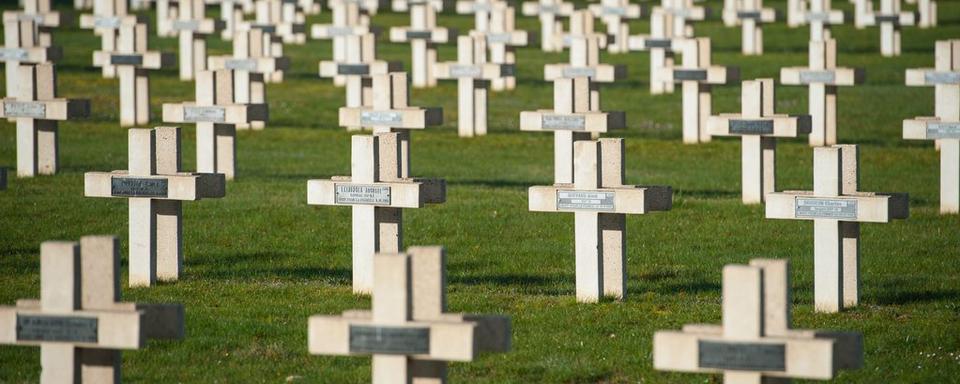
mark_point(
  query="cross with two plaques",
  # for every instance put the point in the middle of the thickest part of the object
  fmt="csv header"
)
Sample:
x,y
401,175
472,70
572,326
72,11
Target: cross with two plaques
x,y
473,74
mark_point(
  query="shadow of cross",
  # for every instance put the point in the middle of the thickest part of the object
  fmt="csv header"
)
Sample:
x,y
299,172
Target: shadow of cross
x,y
473,74
600,202
758,127
755,343
192,28
79,322
44,18
584,61
22,45
257,59
408,331
549,11
944,126
155,188
356,69
423,34
696,77
837,208
502,40
105,21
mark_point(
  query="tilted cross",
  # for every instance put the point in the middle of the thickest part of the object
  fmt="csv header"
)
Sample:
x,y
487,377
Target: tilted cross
x,y
755,343
550,28
378,193
890,19
155,187
22,46
822,77
696,77
837,208
408,332
661,42
473,74
79,323
751,18
758,127
502,39
944,126
42,15
821,17
585,60
600,202
347,21
423,34
193,27
37,109
356,69
254,63
105,21
616,15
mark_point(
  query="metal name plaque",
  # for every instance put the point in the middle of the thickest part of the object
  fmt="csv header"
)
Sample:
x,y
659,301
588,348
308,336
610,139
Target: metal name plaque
x,y
471,71
126,59
689,74
353,69
13,54
943,130
616,11
748,15
742,356
818,16
569,72
808,77
106,22
411,35
824,208
482,7
887,19
389,340
751,127
57,328
29,109
138,187
266,28
658,43
361,194
241,64
564,122
585,200
186,25
547,9
942,77
339,31
387,118
498,38
195,114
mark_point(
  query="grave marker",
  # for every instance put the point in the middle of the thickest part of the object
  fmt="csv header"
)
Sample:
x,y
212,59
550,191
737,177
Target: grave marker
x,y
682,12
502,39
423,34
404,5
105,21
548,11
616,15
254,63
696,77
22,46
282,18
45,19
585,59
821,17
890,19
359,64
751,17
347,21
926,12
473,75
862,11
480,9
661,43
167,12
193,27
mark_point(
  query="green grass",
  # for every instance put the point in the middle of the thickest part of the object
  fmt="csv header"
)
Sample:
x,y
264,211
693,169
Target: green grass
x,y
260,261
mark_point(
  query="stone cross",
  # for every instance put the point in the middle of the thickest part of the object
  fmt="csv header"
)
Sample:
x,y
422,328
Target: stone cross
x,y
751,18
796,12
107,17
821,17
756,343
22,46
356,68
347,21
548,11
82,4
758,127
837,208
309,7
502,39
600,202
571,120
216,114
862,11
231,14
616,15
43,16
890,19
480,9
585,60
926,12
473,74
822,77
132,60
944,126
254,63
696,77
79,323
193,27
408,331
423,34
378,192
155,186
167,12
282,18
404,5
661,43
684,12
37,109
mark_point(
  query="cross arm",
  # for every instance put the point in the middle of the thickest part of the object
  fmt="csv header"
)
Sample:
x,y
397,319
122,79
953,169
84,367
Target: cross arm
x,y
835,76
930,128
403,118
833,17
765,15
83,328
434,35
626,199
432,340
631,11
251,64
602,73
31,54
224,114
377,67
493,331
404,193
149,60
709,75
97,22
55,109
902,18
535,8
864,207
728,124
511,38
327,31
548,120
181,186
488,71
695,13
202,26
160,321
48,20
930,76
646,42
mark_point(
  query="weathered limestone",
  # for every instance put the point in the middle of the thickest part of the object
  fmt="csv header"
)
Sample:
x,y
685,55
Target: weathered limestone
x,y
661,42
548,11
585,59
837,208
822,77
155,186
862,11
423,34
22,45
356,68
79,323
408,332
502,40
254,64
944,126
696,77
192,28
44,18
616,14
107,17
755,343
473,74
231,14
890,19
404,5
36,109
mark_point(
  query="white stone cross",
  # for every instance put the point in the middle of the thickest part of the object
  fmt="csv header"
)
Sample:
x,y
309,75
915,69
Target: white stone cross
x,y
502,40
473,74
79,323
216,114
254,63
231,14
282,18
548,11
155,187
696,77
944,126
755,343
356,68
37,109
581,25
684,12
661,43
862,9
347,21
890,19
758,127
22,46
377,192
42,15
193,27
585,59
926,13
480,9
105,21
423,34
132,60
837,208
796,12
822,77
729,12
408,331
616,15
751,18
821,17
167,12
600,202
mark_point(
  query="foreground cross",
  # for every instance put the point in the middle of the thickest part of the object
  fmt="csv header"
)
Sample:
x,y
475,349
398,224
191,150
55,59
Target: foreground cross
x,y
548,11
423,34
155,187
22,46
697,77
755,343
891,19
758,127
79,322
37,109
944,126
837,208
408,332
600,202
356,69
193,27
473,74
660,42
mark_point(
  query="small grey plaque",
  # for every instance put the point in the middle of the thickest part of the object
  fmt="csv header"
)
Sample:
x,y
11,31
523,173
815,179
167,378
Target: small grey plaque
x,y
742,356
818,16
825,208
751,127
138,187
564,122
106,22
389,340
413,35
186,25
13,54
569,72
57,328
30,109
386,118
241,64
548,9
353,69
126,59
887,19
942,77
266,28
585,200
943,130
615,11
339,31
748,15
689,74
808,77
658,43
193,114
471,71
498,38
481,7
362,194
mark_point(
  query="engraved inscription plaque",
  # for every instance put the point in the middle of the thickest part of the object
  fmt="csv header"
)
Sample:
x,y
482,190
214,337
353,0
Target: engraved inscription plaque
x,y
195,114
942,77
613,11
689,74
751,127
818,16
389,340
887,19
411,35
241,64
585,200
106,22
361,194
658,43
808,77
564,122
498,38
547,9
138,187
353,69
339,31
387,118
126,59
579,72
748,15
186,25
29,109
471,71
57,328
826,208
742,356
943,130
13,54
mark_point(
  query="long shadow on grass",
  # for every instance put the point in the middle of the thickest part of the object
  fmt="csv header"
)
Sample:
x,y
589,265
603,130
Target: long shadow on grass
x,y
259,265
899,292
706,194
509,184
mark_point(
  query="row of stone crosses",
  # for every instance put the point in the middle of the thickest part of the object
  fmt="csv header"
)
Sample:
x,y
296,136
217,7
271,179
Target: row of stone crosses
x,y
81,325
